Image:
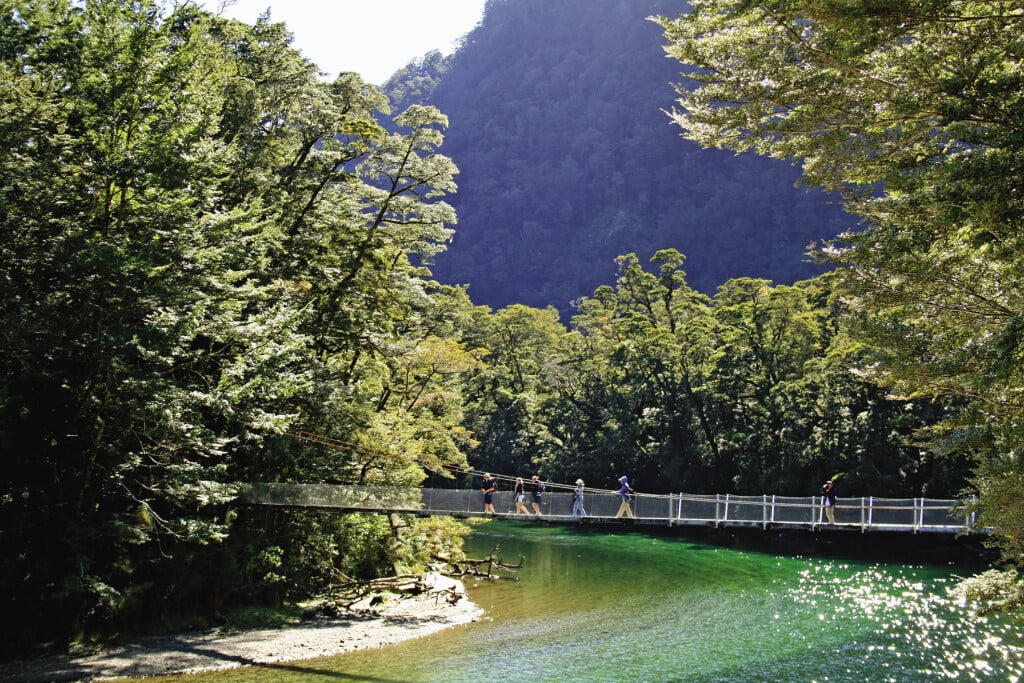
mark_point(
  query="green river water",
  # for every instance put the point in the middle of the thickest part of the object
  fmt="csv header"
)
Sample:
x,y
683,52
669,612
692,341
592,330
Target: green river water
x,y
596,606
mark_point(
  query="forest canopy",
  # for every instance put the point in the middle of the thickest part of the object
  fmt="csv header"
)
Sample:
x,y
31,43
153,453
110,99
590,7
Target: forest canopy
x,y
204,248
201,245
914,112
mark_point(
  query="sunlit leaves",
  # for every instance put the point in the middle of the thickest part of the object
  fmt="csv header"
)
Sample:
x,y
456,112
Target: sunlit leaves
x,y
205,245
914,111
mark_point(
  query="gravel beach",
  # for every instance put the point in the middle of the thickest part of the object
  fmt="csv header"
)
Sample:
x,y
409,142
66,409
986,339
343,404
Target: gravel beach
x,y
391,622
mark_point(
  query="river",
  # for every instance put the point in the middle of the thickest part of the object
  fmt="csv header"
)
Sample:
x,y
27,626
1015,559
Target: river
x,y
599,606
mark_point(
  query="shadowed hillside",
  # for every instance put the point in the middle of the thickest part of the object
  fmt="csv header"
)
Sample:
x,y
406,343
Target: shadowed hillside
x,y
567,160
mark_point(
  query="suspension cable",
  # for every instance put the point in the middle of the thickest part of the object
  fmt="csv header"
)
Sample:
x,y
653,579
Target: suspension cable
x,y
331,442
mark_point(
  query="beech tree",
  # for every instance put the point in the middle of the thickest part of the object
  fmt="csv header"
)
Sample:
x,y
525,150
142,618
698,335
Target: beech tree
x,y
509,397
203,245
749,392
913,111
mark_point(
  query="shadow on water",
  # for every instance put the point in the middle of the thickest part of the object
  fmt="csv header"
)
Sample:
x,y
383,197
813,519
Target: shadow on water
x,y
307,671
842,542
267,671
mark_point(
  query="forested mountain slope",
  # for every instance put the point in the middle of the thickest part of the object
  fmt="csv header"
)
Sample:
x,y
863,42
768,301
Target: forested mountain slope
x,y
567,160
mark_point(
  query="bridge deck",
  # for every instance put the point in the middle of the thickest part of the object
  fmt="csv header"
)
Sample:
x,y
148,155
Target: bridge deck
x,y
917,515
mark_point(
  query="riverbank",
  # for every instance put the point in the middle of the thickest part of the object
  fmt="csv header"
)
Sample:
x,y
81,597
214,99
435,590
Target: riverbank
x,y
395,620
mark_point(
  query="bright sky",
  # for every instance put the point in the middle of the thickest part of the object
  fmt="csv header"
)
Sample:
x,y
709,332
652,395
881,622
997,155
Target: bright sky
x,y
374,38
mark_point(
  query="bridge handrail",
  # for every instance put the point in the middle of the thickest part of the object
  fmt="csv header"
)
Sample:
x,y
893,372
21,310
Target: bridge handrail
x,y
917,514
840,502
925,514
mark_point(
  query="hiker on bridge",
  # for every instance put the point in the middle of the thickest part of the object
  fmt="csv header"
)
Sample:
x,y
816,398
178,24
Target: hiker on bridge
x,y
828,500
626,492
519,494
536,488
577,500
488,486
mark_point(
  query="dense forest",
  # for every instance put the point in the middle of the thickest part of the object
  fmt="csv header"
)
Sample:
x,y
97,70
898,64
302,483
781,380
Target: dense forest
x,y
749,391
914,115
205,247
558,125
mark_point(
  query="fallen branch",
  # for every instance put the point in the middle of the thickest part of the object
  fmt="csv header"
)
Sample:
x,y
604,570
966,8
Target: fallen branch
x,y
342,597
478,568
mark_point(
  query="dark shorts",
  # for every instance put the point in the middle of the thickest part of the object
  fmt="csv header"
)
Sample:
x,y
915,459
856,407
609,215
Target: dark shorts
x,y
536,498
487,497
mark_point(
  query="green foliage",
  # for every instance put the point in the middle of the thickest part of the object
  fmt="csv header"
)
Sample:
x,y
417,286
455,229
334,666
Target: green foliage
x,y
749,392
205,250
249,618
993,591
913,113
202,245
430,539
996,479
507,396
265,565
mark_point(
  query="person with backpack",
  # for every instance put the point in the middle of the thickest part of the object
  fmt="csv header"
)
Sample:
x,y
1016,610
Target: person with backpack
x,y
828,500
536,488
488,486
577,500
627,494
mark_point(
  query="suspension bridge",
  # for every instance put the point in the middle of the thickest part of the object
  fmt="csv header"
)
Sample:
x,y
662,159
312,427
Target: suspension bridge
x,y
910,515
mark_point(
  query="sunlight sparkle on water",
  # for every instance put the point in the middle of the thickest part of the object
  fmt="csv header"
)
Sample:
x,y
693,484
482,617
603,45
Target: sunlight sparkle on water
x,y
912,616
585,609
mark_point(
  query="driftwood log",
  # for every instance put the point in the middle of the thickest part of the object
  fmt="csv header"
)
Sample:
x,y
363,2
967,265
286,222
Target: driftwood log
x,y
487,568
342,597
348,592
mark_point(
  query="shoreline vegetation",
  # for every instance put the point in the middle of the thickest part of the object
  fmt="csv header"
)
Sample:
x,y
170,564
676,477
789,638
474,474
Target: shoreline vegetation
x,y
376,621
218,272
